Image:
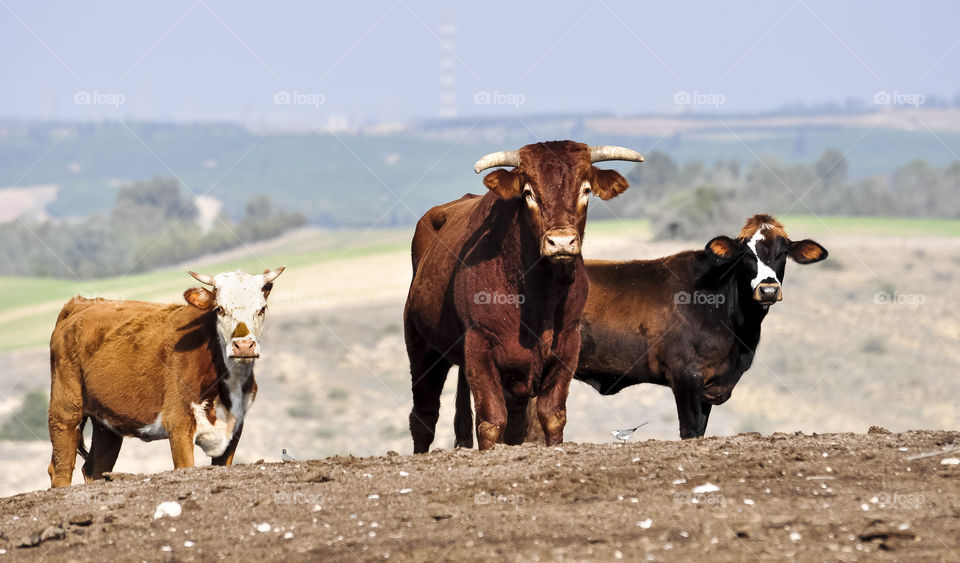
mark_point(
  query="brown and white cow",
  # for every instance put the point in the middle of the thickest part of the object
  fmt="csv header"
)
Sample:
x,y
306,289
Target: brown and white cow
x,y
155,371
498,288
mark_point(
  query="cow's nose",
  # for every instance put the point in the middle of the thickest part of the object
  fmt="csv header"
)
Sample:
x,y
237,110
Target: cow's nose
x,y
560,245
244,348
768,293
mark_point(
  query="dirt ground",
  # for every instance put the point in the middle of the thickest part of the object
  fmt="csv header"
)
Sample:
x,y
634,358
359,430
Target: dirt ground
x,y
746,497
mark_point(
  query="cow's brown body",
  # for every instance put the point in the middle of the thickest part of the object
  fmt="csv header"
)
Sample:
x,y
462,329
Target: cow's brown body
x,y
140,369
498,289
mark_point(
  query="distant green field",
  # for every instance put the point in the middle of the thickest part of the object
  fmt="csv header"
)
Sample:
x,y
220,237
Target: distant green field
x,y
29,305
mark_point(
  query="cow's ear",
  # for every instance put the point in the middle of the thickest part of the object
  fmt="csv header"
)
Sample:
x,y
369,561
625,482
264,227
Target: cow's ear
x,y
200,298
266,289
807,251
724,248
505,183
607,184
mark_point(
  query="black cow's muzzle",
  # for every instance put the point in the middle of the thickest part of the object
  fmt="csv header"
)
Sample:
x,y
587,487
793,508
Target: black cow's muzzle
x,y
768,293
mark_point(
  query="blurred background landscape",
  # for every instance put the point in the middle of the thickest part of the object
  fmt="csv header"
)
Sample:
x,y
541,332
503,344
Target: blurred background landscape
x,y
137,142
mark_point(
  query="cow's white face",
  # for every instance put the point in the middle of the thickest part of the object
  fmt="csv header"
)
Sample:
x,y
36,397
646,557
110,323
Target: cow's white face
x,y
241,307
240,302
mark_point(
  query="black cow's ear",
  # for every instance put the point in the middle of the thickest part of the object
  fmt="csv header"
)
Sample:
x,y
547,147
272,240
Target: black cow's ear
x,y
505,183
266,289
723,247
200,298
807,251
608,184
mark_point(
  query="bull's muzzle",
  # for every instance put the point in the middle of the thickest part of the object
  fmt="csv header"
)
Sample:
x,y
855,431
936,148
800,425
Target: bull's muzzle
x,y
560,245
768,293
244,349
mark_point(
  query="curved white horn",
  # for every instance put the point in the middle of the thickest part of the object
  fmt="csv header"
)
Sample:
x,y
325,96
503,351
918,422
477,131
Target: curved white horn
x,y
202,278
271,275
600,153
501,158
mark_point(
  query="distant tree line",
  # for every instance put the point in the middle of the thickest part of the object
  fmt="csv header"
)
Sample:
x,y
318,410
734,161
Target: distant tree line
x,y
694,200
151,224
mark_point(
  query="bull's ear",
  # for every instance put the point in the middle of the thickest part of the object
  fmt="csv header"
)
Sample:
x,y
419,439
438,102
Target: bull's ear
x,y
505,183
200,298
608,184
807,251
724,248
266,289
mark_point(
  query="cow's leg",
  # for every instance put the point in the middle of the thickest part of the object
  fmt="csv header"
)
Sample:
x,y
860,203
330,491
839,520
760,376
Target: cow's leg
x,y
63,419
687,390
516,420
181,444
463,418
484,379
226,458
104,449
428,372
704,416
554,387
534,432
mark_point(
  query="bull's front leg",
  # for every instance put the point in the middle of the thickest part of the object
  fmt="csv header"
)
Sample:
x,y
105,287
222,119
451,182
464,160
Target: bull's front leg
x,y
483,376
554,387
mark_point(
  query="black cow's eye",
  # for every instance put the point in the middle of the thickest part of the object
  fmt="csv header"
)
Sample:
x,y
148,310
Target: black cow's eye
x,y
218,310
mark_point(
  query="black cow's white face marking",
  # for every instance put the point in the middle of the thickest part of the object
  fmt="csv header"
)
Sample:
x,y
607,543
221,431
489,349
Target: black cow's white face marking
x,y
766,263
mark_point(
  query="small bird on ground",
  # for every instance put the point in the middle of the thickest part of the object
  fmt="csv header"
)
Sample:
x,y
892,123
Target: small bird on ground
x,y
285,456
624,435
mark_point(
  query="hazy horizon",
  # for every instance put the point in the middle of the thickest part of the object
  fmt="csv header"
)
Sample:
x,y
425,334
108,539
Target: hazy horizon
x,y
310,64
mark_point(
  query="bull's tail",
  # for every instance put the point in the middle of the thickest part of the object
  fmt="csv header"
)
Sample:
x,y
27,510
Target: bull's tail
x,y
81,447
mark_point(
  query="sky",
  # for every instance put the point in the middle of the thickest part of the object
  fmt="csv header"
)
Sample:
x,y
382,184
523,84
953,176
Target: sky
x,y
315,63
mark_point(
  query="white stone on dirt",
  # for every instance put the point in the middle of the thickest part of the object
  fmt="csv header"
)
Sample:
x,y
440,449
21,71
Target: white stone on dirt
x,y
645,524
188,543
405,491
749,502
950,461
795,537
706,488
263,527
169,508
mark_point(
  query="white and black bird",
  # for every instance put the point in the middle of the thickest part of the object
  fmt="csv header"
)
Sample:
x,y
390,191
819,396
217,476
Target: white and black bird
x,y
285,456
624,435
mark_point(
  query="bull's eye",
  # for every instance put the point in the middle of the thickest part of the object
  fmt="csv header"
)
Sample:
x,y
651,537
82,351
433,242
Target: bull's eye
x,y
528,195
218,310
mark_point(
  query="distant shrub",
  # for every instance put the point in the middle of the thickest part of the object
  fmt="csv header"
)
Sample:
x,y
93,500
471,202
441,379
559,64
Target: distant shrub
x,y
337,394
29,422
